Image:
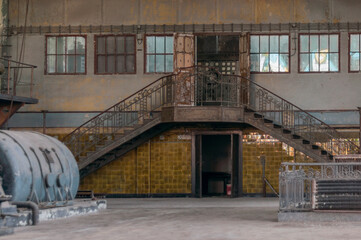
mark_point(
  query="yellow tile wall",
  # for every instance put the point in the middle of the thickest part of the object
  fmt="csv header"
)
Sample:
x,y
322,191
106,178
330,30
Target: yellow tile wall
x,y
161,165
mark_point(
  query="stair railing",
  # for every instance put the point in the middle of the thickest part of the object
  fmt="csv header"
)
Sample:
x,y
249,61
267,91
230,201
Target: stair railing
x,y
273,107
131,112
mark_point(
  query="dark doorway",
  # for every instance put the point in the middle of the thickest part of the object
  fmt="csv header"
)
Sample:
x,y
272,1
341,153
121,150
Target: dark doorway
x,y
217,163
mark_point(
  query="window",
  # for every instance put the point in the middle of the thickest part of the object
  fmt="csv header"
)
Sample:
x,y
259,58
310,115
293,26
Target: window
x,y
269,53
319,53
65,55
115,54
355,50
159,54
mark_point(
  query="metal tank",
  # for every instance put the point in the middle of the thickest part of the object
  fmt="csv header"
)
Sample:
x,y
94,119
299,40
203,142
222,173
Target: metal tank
x,y
38,168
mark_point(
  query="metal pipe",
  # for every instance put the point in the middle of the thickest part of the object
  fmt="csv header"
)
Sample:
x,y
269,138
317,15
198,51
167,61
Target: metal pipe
x,y
34,208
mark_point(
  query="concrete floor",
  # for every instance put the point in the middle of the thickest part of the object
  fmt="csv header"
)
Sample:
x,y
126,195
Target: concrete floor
x,y
186,218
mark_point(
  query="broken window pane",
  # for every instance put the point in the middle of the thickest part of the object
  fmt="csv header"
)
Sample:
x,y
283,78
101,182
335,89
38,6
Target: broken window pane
x,y
254,44
304,62
304,41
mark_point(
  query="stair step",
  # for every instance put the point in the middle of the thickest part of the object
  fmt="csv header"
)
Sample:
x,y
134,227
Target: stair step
x,y
295,136
267,120
315,147
277,126
257,115
286,131
305,141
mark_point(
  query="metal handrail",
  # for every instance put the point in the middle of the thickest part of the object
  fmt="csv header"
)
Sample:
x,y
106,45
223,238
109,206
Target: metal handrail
x,y
224,90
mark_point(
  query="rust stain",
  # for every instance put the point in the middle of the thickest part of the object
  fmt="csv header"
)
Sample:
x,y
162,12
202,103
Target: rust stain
x,y
273,9
159,12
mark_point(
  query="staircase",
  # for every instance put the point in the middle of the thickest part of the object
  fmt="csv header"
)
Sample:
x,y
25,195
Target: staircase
x,y
138,118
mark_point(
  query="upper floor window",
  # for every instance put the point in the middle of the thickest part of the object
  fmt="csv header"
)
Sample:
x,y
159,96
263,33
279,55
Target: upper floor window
x,y
319,53
355,51
159,54
269,53
65,55
115,54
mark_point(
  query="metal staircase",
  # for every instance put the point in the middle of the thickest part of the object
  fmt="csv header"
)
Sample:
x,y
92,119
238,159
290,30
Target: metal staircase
x,y
138,118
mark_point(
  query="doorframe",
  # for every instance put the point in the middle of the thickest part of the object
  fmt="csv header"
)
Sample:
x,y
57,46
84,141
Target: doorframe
x,y
197,135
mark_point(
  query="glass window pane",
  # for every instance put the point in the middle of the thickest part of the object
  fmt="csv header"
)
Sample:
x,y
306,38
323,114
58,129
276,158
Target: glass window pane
x,y
354,42
60,47
120,64
324,43
150,44
120,44
101,45
111,64
274,44
150,63
50,64
101,64
264,44
70,64
334,62
130,44
159,60
255,63
254,44
333,43
314,43
130,63
169,45
314,62
80,63
169,63
264,62
70,45
60,64
304,41
355,61
284,63
80,45
323,60
274,63
159,45
284,46
110,45
304,62
51,45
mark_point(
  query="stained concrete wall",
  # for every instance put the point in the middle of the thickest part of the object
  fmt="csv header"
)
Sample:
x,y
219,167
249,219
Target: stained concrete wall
x,y
90,92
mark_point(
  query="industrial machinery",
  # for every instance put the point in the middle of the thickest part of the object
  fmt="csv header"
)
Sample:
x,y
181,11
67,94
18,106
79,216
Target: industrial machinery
x,y
38,168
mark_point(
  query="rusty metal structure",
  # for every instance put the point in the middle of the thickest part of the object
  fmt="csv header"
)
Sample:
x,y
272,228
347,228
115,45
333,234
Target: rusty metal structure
x,y
98,141
319,186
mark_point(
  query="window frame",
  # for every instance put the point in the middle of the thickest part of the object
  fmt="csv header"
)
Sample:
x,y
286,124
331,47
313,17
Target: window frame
x,y
46,54
319,34
271,34
115,54
349,51
164,54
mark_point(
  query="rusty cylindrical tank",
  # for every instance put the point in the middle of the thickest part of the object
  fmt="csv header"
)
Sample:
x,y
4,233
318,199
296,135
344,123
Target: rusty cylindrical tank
x,y
36,167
